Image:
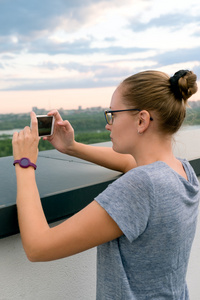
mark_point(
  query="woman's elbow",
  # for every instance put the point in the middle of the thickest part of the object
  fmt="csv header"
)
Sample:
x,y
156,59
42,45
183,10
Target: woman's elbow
x,y
33,255
32,258
35,250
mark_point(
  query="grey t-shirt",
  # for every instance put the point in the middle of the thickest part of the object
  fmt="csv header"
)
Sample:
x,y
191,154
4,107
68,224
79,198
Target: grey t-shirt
x,y
157,210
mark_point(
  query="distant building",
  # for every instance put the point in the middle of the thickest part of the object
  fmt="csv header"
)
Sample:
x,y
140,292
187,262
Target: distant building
x,y
39,111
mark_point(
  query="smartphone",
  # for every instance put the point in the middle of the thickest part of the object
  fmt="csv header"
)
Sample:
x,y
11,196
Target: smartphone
x,y
45,125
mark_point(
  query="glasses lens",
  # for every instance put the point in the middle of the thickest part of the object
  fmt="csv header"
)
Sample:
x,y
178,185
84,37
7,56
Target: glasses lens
x,y
109,118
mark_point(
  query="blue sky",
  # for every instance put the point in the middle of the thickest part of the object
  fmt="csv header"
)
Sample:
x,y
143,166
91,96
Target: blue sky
x,y
70,53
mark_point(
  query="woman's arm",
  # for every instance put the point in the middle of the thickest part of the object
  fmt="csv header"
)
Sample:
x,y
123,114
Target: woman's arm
x,y
88,228
104,156
63,141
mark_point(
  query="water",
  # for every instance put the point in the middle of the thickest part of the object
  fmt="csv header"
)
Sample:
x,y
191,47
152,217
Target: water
x,y
9,132
188,127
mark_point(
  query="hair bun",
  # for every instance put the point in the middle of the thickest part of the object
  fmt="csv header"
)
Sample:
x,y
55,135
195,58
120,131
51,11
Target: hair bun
x,y
183,84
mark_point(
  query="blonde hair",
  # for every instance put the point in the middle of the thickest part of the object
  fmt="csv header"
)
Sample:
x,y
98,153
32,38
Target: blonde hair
x,y
153,91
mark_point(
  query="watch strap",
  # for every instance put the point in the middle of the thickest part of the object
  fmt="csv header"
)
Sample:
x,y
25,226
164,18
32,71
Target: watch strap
x,y
24,162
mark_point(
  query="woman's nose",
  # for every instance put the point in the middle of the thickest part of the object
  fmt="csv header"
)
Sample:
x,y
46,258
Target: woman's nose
x,y
108,127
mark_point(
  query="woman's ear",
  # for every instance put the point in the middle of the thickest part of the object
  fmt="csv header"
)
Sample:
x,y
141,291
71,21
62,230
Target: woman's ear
x,y
143,121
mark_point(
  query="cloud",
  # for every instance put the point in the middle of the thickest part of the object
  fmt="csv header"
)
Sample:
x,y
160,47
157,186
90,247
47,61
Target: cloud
x,y
80,47
24,17
52,48
178,56
38,16
61,83
173,21
77,75
30,25
75,44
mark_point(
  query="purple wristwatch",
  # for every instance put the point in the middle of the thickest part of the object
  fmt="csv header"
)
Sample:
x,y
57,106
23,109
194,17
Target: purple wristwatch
x,y
24,162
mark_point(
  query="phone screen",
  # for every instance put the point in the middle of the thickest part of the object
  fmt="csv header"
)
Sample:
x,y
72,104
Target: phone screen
x,y
45,125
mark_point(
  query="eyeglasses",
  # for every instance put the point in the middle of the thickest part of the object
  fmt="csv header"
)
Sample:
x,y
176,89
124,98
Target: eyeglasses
x,y
109,114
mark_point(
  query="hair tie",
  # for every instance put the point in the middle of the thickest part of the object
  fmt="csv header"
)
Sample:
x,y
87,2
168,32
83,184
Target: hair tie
x,y
174,83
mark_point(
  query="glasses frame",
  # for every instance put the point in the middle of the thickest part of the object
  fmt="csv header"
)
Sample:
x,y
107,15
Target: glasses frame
x,y
119,110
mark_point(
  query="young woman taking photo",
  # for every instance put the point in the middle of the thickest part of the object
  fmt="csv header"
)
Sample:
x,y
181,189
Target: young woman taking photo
x,y
144,222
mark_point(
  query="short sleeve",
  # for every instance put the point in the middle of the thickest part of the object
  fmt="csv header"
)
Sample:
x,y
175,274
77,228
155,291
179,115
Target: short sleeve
x,y
127,201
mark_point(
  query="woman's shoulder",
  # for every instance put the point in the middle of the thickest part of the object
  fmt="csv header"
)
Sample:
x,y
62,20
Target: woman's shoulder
x,y
153,168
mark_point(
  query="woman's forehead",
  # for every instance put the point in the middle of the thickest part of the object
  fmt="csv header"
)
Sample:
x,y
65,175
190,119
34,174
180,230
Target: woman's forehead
x,y
116,99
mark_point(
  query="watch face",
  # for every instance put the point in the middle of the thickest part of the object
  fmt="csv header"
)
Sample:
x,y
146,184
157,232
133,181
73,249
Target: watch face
x,y
24,162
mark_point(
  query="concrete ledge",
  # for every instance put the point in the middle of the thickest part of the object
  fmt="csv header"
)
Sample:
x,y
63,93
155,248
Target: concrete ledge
x,y
66,185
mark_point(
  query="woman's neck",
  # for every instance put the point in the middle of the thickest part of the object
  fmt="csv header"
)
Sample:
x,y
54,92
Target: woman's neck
x,y
152,149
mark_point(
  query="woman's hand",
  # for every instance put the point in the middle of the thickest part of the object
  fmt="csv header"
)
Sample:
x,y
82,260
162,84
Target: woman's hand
x,y
25,143
63,140
63,135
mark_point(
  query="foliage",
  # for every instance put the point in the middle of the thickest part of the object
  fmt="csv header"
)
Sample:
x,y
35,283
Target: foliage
x,y
12,121
5,147
92,137
192,116
84,137
82,121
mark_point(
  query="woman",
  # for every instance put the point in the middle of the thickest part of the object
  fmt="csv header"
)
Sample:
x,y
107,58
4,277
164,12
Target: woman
x,y
144,223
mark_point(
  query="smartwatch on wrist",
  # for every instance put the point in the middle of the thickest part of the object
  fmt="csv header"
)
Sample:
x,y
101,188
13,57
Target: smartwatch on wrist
x,y
24,162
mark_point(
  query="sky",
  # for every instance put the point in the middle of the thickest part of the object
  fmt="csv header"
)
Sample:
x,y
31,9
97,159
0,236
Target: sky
x,y
61,53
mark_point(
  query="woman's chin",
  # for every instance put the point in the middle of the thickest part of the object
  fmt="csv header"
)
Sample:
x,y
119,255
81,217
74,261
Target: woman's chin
x,y
116,149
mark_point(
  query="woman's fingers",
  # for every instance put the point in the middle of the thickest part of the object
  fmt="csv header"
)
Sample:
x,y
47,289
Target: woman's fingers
x,y
34,124
25,143
56,115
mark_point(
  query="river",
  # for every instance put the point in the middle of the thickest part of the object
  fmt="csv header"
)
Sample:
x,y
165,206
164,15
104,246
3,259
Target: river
x,y
11,131
8,132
